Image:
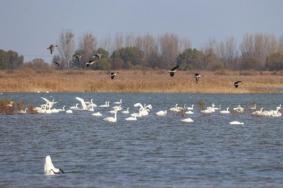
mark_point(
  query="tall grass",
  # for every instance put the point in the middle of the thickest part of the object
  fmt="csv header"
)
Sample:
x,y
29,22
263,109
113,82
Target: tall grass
x,y
28,80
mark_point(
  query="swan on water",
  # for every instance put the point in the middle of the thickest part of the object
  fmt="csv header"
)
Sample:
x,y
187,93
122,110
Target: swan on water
x,y
97,114
161,113
225,111
49,168
131,118
111,119
118,102
126,111
187,120
236,123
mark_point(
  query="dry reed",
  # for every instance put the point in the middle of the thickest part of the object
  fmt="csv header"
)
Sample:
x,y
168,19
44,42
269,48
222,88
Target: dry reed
x,y
27,80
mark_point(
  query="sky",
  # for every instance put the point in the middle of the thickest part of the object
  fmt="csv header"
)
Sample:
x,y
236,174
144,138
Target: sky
x,y
29,26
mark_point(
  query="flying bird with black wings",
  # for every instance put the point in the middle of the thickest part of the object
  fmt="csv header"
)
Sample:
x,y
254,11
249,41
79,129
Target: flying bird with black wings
x,y
237,83
51,48
197,77
173,70
113,75
90,62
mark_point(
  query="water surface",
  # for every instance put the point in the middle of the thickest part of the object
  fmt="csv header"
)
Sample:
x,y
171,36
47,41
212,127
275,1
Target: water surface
x,y
151,152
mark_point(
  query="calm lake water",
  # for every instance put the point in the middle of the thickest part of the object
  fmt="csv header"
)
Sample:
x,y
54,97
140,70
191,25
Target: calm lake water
x,y
151,152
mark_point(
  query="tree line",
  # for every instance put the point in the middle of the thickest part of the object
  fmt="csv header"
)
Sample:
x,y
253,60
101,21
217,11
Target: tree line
x,y
255,52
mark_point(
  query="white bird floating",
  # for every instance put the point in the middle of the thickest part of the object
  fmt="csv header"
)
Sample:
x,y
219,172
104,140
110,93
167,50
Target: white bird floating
x,y
111,119
236,123
239,109
161,113
49,168
126,111
118,102
225,111
105,105
187,120
97,114
69,111
131,118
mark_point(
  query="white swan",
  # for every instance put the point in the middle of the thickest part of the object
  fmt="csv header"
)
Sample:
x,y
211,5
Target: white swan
x,y
225,111
69,111
191,108
236,123
49,168
106,105
239,109
82,103
131,118
49,104
189,112
118,102
97,114
187,120
161,113
75,107
111,119
126,111
208,110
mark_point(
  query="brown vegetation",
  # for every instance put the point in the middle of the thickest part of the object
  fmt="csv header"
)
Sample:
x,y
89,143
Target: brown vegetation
x,y
28,80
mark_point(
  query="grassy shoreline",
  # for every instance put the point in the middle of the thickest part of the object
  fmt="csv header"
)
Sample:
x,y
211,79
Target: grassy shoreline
x,y
139,81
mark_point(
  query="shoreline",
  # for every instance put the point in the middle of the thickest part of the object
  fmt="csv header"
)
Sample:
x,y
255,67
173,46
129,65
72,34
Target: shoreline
x,y
139,81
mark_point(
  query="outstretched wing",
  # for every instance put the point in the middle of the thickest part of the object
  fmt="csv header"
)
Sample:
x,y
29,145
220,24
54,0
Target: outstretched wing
x,y
174,68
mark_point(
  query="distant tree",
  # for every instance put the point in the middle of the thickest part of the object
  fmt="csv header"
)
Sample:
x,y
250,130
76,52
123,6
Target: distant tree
x,y
104,63
256,47
191,59
37,64
211,61
66,47
131,56
250,63
274,61
10,60
169,50
87,48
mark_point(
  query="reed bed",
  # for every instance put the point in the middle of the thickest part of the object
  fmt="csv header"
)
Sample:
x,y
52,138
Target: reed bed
x,y
28,80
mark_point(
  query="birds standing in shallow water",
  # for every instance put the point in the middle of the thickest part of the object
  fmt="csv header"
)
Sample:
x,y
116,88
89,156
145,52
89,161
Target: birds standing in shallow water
x,y
173,70
51,48
237,83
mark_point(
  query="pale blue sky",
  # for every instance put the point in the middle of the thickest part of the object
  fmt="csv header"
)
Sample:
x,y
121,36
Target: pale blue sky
x,y
29,26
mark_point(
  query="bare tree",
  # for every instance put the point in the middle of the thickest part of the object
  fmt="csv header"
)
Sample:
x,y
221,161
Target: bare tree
x,y
66,47
119,41
169,49
88,46
258,46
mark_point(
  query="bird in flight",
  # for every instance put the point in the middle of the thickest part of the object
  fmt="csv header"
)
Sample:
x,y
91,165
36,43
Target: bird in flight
x,y
98,55
237,83
197,77
112,75
173,70
90,62
52,47
77,57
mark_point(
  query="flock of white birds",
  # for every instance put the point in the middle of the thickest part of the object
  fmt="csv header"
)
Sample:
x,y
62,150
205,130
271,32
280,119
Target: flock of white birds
x,y
143,110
